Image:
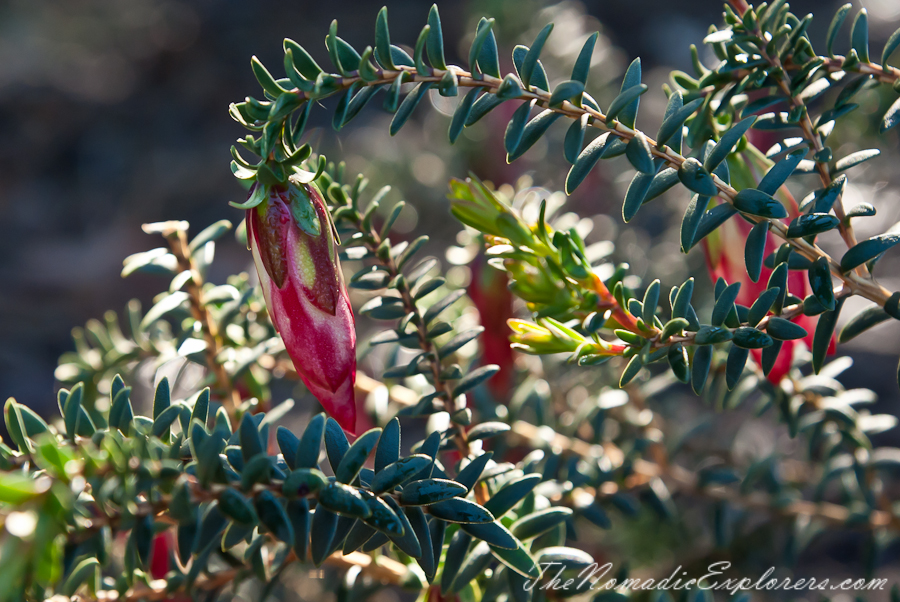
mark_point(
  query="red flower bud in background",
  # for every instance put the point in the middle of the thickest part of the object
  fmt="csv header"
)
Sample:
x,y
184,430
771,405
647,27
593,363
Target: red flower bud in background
x,y
293,244
724,249
489,292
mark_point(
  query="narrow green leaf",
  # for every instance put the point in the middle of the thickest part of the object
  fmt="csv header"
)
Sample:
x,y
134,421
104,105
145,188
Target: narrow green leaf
x,y
481,35
834,27
854,159
751,338
696,178
700,367
640,156
435,42
534,129
725,304
691,221
460,510
623,103
461,116
533,54
756,202
863,321
355,456
636,193
397,473
892,115
820,283
516,126
568,90
583,63
673,123
784,330
586,162
383,41
734,366
628,114
408,105
475,378
859,35
727,142
867,250
575,138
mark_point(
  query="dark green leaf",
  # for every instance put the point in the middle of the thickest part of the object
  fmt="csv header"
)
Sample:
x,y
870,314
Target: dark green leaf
x,y
533,54
712,219
336,444
834,27
863,321
639,154
854,159
534,524
575,138
811,224
383,41
486,430
727,142
868,249
272,515
516,126
388,450
784,330
700,367
628,113
725,304
398,472
474,378
408,105
583,62
534,129
322,531
343,499
690,223
310,443
460,510
511,494
585,162
780,172
755,249
493,533
430,491
355,456
756,202
696,178
859,35
673,123
435,42
568,90
751,338
820,283
625,104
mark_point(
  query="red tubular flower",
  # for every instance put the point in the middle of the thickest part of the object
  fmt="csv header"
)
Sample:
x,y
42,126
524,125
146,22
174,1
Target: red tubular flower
x,y
491,296
293,244
724,250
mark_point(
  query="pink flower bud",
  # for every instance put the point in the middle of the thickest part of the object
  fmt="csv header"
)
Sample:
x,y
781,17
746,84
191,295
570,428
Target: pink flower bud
x,y
293,244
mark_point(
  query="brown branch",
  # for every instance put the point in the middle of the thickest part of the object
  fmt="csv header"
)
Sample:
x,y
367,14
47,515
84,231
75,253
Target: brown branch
x,y
440,385
645,471
809,133
859,285
381,569
176,236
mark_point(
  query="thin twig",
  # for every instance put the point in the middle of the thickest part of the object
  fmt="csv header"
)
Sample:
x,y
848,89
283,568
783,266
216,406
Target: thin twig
x,y
859,285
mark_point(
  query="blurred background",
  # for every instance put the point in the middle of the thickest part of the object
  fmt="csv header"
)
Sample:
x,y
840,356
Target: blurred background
x,y
114,113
